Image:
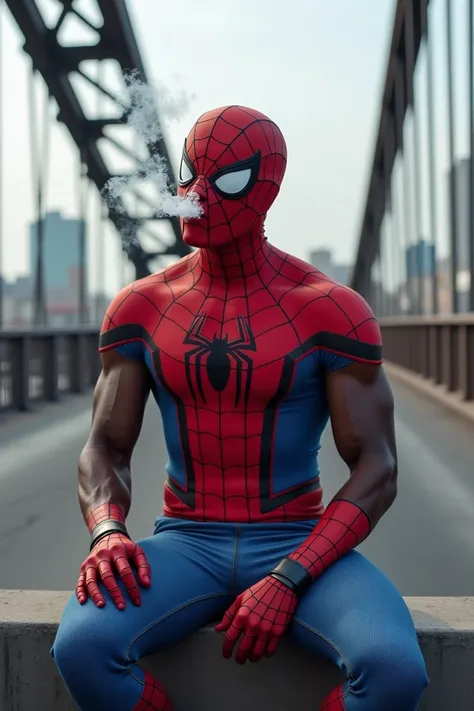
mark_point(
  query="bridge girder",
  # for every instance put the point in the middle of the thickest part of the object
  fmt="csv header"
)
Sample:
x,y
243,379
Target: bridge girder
x,y
410,27
56,63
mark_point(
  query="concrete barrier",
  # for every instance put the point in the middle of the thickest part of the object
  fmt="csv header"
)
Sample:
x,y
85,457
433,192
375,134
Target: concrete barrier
x,y
453,401
29,681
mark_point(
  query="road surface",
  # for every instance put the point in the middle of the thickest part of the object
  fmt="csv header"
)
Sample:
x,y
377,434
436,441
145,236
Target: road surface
x,y
425,543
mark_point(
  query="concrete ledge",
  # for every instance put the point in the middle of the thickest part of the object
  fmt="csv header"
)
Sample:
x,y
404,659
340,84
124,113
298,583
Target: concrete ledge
x,y
452,401
29,682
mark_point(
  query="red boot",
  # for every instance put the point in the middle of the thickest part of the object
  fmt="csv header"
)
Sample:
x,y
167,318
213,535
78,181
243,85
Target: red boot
x,y
154,696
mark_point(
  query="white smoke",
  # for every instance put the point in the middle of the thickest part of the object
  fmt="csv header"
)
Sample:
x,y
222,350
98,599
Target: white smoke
x,y
143,102
154,170
142,117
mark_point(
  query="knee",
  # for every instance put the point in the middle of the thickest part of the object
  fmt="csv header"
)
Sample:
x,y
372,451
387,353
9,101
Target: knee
x,y
405,674
80,646
394,672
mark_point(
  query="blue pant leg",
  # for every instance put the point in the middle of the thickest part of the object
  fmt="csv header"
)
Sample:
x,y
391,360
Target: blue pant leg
x,y
96,650
354,616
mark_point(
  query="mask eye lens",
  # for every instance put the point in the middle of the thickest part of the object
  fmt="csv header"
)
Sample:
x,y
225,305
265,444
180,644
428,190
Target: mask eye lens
x,y
233,183
185,174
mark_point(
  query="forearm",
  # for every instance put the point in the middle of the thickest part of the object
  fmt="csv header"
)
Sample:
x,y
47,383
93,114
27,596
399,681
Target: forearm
x,y
350,516
104,485
342,527
372,484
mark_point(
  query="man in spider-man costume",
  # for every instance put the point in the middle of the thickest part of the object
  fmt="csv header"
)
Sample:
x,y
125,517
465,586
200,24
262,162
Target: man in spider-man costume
x,y
248,352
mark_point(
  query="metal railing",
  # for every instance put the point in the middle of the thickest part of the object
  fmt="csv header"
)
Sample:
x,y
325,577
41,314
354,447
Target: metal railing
x,y
41,365
439,348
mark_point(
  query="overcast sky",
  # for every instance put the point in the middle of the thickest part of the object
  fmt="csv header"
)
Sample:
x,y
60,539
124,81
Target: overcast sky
x,y
314,66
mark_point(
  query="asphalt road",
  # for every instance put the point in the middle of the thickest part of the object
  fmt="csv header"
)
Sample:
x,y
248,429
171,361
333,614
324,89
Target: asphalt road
x,y
425,543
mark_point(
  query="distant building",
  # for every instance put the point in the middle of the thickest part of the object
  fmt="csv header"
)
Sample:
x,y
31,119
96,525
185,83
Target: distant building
x,y
443,281
420,260
420,264
62,266
322,259
17,302
22,288
61,248
17,312
6,287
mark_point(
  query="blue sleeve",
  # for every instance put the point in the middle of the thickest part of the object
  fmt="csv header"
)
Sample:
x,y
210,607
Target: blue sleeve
x,y
133,350
332,361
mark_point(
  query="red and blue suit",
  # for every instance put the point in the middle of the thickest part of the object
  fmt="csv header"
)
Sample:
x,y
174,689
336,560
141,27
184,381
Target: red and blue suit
x,y
238,337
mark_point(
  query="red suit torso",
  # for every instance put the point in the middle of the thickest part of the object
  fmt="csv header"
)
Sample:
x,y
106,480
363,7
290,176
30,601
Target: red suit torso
x,y
238,336
223,357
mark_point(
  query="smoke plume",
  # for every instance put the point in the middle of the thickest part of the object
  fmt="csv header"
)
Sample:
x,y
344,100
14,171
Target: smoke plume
x,y
144,101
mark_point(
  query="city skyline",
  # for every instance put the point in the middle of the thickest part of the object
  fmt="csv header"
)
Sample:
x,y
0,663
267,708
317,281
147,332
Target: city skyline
x,y
61,276
62,271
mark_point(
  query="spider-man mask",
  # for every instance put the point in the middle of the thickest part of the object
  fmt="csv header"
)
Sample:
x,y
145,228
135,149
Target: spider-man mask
x,y
234,159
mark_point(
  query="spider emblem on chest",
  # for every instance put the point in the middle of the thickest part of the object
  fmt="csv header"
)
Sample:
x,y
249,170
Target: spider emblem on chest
x,y
215,356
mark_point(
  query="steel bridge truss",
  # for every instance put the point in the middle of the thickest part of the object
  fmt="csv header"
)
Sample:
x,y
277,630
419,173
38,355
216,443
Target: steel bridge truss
x,y
64,68
410,27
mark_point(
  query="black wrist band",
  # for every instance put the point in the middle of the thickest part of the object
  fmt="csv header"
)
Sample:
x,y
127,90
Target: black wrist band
x,y
285,581
292,574
104,528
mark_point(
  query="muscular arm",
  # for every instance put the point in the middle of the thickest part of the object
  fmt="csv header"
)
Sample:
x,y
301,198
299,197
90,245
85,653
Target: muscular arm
x,y
361,408
104,464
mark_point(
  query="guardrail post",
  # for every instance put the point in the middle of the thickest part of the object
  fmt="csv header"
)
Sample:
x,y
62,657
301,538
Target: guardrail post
x,y
469,391
20,365
94,365
455,345
38,365
448,376
434,355
466,361
77,362
51,368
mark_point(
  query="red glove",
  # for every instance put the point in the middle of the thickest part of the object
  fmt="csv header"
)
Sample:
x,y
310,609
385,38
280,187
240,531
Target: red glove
x,y
110,556
260,616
